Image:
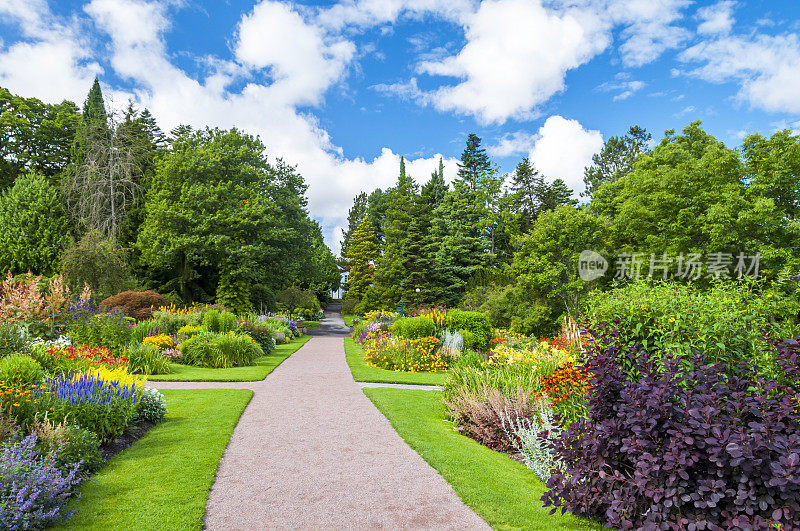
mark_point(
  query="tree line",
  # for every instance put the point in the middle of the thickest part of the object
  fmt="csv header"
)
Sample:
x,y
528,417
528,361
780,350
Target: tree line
x,y
109,199
509,245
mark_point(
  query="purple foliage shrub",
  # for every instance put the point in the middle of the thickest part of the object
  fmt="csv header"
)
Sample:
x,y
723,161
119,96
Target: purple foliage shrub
x,y
33,490
683,445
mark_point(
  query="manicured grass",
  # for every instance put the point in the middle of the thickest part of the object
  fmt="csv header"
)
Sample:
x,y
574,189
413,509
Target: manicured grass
x,y
348,319
505,493
364,373
311,324
264,365
162,481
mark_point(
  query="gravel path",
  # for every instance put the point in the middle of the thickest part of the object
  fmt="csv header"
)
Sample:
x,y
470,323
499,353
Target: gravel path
x,y
311,451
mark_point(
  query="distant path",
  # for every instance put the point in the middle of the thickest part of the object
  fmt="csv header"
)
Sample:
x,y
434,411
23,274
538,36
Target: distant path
x,y
311,450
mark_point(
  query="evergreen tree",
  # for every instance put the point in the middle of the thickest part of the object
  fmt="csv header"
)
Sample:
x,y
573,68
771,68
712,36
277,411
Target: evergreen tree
x,y
354,216
434,191
616,159
361,253
387,290
475,163
32,226
376,210
525,201
461,248
554,195
94,108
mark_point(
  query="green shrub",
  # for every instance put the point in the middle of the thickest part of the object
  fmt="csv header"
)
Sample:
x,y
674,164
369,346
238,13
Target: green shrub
x,y
724,322
238,351
208,349
170,323
260,334
470,339
414,327
292,298
218,321
20,369
349,306
12,339
474,322
80,445
111,330
146,359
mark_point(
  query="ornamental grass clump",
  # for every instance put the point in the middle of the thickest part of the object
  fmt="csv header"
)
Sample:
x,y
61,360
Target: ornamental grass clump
x,y
679,442
34,490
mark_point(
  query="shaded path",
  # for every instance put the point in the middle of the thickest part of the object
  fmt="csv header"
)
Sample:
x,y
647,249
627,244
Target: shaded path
x,y
312,451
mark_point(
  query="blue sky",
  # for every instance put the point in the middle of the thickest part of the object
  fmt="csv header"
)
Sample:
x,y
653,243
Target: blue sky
x,y
344,88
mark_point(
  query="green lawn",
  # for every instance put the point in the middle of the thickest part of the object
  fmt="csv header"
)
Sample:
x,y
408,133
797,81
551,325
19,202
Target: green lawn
x,y
348,319
364,373
264,365
162,481
505,493
311,324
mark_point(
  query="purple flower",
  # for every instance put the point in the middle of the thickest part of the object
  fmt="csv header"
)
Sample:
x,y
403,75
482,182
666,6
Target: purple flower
x,y
33,490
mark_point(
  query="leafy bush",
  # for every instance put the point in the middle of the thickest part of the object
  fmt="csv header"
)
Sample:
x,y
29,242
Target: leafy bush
x,y
147,359
34,491
292,298
218,321
170,323
349,306
260,334
680,447
69,445
414,327
238,351
99,262
152,406
219,350
19,369
136,304
474,322
110,330
724,323
468,339
12,339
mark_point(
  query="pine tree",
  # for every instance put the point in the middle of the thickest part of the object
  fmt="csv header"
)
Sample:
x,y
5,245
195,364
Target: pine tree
x,y
616,159
387,290
461,248
526,186
354,216
361,253
556,194
94,108
475,163
434,191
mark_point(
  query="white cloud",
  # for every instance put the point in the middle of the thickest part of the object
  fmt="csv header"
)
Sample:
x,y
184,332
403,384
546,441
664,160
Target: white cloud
x,y
299,59
650,28
716,18
563,148
53,63
302,61
518,52
623,86
516,143
767,68
516,56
